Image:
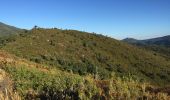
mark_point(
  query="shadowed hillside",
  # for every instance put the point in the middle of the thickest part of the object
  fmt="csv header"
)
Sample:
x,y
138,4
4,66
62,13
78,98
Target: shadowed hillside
x,y
161,41
160,46
6,30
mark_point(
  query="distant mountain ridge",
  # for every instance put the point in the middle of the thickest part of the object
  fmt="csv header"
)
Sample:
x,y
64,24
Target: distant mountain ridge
x,y
6,30
130,40
162,41
160,45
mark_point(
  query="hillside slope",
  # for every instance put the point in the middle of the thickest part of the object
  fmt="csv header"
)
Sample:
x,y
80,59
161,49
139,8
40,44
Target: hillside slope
x,y
24,80
6,30
83,53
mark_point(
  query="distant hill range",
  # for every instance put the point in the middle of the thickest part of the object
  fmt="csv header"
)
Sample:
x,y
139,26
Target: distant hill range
x,y
6,30
161,41
160,45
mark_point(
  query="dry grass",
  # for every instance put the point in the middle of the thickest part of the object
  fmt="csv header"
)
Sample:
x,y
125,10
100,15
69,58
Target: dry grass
x,y
9,94
6,90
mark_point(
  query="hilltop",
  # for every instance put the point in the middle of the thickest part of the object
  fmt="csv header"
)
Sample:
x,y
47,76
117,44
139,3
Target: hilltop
x,y
130,40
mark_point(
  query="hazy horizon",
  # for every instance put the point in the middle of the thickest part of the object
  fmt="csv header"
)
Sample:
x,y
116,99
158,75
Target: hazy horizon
x,y
119,19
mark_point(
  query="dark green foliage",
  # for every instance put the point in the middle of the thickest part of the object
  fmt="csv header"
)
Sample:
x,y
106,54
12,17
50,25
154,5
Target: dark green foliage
x,y
101,58
110,67
6,39
36,59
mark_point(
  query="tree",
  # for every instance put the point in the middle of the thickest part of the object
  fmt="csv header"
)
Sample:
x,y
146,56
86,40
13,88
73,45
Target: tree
x,y
35,27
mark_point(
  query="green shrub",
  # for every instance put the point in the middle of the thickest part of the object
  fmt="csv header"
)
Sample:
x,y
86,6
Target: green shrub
x,y
53,84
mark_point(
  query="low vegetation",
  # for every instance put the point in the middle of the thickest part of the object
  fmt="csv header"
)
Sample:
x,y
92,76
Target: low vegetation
x,y
50,64
84,53
54,84
35,81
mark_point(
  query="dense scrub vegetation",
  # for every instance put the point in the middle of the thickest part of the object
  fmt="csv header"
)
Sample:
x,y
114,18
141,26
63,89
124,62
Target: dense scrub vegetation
x,y
58,85
83,53
157,50
70,64
33,83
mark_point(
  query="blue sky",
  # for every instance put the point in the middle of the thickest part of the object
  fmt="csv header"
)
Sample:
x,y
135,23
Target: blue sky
x,y
119,19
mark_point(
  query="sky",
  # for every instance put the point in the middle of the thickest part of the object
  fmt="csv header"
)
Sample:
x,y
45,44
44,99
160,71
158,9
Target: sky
x,y
140,19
